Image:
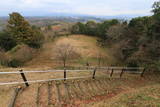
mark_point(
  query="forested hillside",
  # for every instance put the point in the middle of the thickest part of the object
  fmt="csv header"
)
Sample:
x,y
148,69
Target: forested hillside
x,y
136,43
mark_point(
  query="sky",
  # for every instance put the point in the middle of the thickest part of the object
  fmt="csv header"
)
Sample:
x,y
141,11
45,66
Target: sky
x,y
86,7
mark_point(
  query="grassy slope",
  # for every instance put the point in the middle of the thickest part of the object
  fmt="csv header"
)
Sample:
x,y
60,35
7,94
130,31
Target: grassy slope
x,y
101,92
148,96
86,46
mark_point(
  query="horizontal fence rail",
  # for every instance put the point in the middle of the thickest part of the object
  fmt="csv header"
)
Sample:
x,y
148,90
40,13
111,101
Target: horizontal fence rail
x,y
109,68
36,81
119,68
17,72
89,69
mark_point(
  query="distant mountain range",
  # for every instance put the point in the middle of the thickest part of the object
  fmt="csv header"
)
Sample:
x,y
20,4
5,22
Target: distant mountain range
x,y
76,16
42,20
68,15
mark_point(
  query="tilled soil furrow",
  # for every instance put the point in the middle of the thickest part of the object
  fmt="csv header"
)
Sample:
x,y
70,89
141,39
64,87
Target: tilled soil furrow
x,y
49,93
74,95
43,96
71,91
95,88
58,101
85,89
27,97
79,91
75,91
67,89
102,85
64,94
89,88
99,86
52,95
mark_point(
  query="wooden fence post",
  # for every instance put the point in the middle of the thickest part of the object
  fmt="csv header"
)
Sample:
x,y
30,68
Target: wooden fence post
x,y
64,74
94,73
111,72
122,72
142,74
24,78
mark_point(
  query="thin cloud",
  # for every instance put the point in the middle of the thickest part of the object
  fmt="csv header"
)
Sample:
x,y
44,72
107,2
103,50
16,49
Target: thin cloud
x,y
90,7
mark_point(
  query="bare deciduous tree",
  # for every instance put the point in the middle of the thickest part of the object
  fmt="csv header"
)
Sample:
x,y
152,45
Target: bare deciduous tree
x,y
65,52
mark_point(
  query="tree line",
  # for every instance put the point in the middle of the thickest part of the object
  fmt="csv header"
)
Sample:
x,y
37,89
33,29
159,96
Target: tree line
x,y
134,43
93,28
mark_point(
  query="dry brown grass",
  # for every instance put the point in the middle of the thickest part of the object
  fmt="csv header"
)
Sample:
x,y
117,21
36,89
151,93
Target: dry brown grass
x,y
86,46
147,96
5,96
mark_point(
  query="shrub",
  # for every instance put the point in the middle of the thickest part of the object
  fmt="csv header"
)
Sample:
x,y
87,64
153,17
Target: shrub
x,y
6,42
4,59
132,63
15,63
21,54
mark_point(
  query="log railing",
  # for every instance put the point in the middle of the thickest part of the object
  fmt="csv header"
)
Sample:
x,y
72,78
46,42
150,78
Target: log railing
x,y
138,70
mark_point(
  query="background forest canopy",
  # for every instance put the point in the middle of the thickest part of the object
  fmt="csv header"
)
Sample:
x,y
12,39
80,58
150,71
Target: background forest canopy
x,y
137,42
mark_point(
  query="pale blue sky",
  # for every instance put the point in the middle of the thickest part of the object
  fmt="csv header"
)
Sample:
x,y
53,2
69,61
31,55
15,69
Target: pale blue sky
x,y
89,7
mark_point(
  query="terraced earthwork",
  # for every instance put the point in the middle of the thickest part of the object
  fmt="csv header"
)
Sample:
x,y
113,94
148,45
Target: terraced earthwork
x,y
73,93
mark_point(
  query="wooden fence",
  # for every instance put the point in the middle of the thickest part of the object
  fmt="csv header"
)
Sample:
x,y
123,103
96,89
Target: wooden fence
x,y
138,70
